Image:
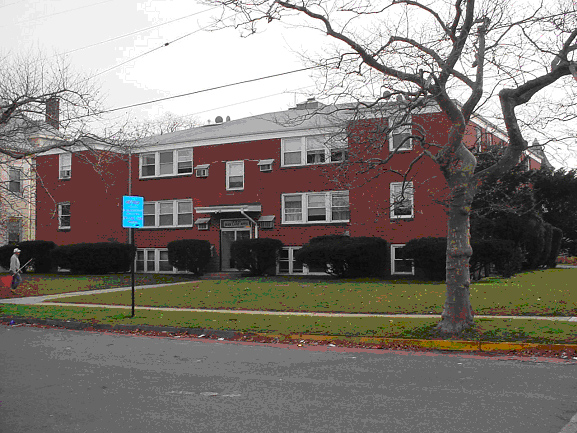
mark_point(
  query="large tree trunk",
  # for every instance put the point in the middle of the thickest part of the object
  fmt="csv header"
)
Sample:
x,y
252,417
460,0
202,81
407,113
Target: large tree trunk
x,y
457,313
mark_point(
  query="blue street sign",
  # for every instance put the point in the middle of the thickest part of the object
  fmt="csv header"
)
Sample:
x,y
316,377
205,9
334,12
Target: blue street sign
x,y
132,212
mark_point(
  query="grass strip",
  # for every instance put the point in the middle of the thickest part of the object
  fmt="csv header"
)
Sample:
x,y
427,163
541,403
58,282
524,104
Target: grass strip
x,y
541,293
498,330
53,284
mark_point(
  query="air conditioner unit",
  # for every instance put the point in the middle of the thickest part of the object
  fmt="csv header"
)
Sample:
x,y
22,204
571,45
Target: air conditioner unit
x,y
266,167
202,172
65,174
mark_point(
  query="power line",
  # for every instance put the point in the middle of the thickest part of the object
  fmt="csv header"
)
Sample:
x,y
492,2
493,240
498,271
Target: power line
x,y
166,44
56,13
196,92
135,32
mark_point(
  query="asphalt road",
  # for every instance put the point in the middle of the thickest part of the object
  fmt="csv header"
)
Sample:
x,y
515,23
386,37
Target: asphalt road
x,y
62,381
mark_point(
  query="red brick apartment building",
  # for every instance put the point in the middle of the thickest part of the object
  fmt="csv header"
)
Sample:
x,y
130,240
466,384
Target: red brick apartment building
x,y
289,175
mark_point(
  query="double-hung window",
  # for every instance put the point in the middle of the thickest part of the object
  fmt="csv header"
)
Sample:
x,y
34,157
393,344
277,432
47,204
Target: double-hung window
x,y
402,200
399,264
14,230
313,150
234,175
166,163
315,207
64,216
401,130
168,213
15,181
64,166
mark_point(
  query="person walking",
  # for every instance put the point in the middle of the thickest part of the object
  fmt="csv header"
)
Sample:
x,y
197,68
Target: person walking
x,y
15,269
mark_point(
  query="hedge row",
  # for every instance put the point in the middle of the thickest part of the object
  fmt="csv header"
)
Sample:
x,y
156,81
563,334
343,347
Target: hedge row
x,y
86,258
95,258
345,256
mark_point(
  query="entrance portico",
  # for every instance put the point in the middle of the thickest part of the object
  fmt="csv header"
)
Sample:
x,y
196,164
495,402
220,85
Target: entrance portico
x,y
235,222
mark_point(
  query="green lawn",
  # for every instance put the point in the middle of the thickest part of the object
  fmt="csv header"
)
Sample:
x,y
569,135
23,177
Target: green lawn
x,y
51,284
513,330
549,292
546,293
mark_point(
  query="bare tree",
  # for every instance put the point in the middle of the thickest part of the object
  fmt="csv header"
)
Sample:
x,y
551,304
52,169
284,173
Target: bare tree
x,y
462,54
44,105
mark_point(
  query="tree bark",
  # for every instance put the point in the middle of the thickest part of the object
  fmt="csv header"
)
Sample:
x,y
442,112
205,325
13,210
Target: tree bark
x,y
457,313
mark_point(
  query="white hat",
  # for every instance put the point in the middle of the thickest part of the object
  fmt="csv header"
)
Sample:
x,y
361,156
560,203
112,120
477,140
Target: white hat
x,y
16,250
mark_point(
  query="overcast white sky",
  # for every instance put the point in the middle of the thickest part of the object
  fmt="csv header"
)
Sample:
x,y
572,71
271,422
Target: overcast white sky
x,y
194,60
197,60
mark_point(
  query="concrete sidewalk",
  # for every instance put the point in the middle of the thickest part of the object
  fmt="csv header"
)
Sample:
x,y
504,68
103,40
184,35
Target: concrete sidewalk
x,y
36,300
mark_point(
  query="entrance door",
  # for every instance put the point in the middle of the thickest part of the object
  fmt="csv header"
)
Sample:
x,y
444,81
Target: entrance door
x,y
227,237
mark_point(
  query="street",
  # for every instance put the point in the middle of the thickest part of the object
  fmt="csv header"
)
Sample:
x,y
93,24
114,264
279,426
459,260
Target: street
x,y
55,380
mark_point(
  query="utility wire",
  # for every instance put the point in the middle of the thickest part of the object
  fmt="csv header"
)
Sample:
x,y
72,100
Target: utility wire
x,y
56,13
135,32
166,44
252,80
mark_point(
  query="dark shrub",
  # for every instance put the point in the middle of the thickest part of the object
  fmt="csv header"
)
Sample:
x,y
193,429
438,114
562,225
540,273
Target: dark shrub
x,y
94,258
556,240
501,253
259,256
547,239
346,256
40,251
429,255
191,255
533,243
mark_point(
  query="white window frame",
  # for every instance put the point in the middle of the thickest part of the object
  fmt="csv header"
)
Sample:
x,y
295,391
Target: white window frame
x,y
182,159
61,214
394,248
175,213
229,167
405,128
304,199
157,252
319,144
64,166
291,262
15,178
407,192
14,230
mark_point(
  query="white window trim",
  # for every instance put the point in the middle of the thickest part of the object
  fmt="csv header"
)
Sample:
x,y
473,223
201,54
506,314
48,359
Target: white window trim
x,y
60,205
19,181
64,167
409,192
157,163
304,209
174,214
156,269
394,247
229,164
407,126
328,149
291,260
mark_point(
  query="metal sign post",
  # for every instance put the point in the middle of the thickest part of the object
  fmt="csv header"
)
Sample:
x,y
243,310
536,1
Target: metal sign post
x,y
132,217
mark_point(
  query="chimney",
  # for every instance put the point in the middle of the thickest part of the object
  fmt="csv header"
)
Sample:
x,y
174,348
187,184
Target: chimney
x,y
53,112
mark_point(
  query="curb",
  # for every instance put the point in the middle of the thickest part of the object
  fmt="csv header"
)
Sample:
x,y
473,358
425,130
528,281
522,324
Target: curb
x,y
566,351
448,345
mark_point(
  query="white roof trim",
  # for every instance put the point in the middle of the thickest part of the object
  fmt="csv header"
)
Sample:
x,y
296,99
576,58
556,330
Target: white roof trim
x,y
265,161
229,208
202,220
202,166
266,218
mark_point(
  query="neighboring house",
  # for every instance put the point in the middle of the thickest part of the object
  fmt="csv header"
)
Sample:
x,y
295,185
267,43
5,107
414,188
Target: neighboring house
x,y
287,175
18,175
